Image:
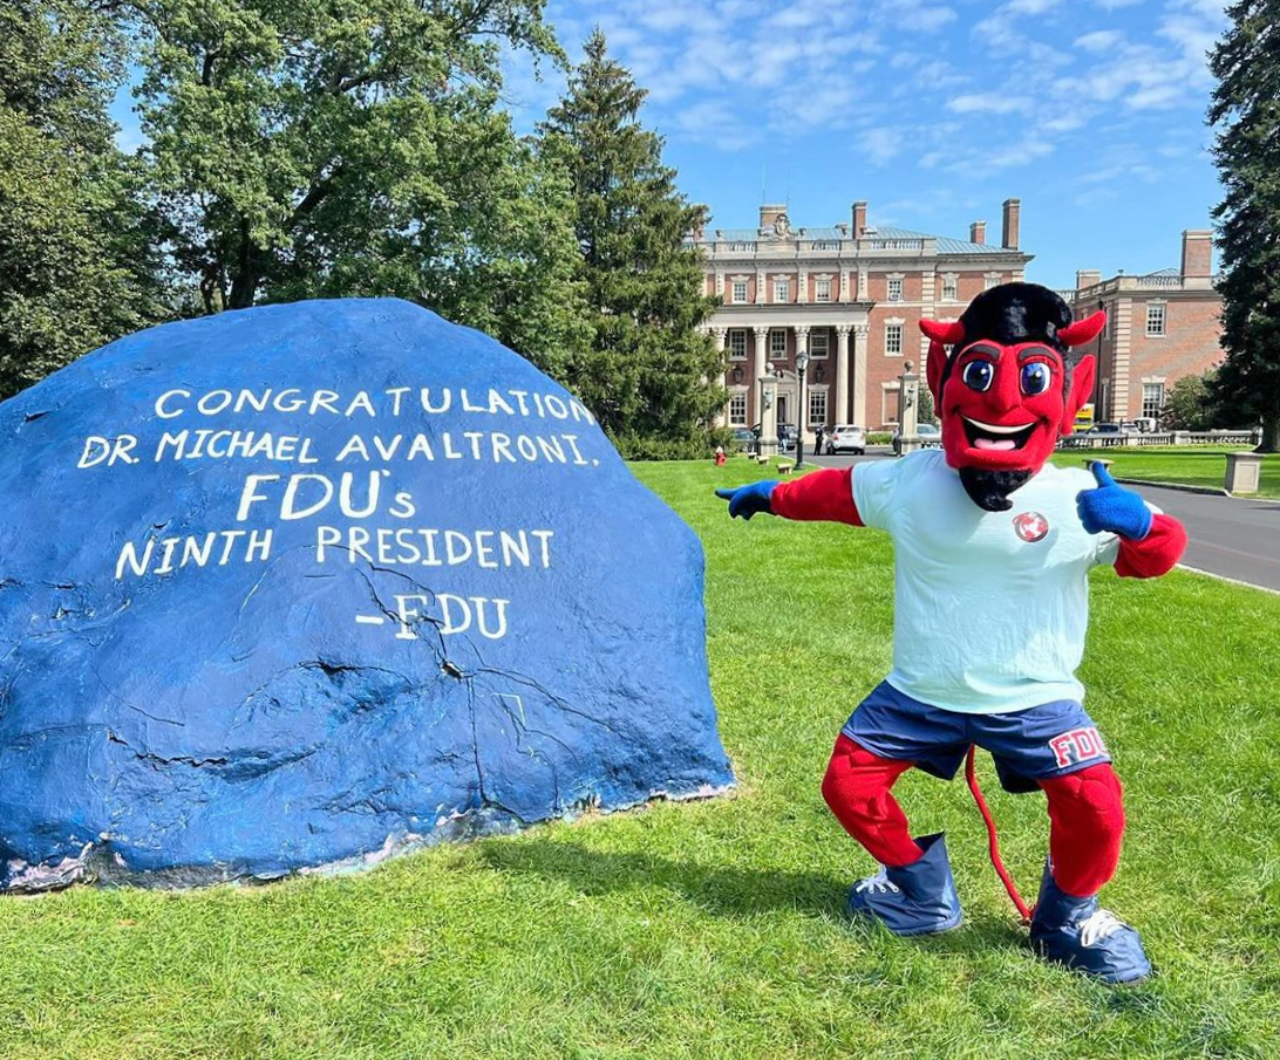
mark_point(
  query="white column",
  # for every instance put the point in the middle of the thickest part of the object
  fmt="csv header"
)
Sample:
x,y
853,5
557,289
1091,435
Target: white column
x,y
862,287
758,369
842,374
802,286
846,294
720,334
762,281
860,375
802,413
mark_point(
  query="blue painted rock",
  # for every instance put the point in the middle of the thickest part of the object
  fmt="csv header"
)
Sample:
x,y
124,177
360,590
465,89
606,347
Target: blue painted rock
x,y
306,585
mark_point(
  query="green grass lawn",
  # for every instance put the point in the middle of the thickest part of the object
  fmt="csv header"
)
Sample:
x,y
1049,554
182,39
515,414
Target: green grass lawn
x,y
713,929
1188,466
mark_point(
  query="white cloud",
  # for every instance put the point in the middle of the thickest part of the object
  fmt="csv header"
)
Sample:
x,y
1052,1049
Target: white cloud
x,y
1100,41
989,103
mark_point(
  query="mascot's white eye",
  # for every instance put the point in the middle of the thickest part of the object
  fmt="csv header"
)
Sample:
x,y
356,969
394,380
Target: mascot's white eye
x,y
977,375
1035,378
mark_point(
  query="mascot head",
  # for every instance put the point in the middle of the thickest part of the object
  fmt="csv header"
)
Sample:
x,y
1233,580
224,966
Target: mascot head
x,y
1008,388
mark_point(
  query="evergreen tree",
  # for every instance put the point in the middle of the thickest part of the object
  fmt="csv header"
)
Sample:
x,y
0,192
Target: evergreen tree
x,y
1246,112
78,245
650,375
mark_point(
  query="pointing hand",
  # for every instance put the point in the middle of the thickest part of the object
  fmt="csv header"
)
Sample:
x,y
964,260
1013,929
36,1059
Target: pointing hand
x,y
746,501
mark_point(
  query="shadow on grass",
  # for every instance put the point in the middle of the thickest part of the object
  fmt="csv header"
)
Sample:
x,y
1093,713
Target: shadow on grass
x,y
730,892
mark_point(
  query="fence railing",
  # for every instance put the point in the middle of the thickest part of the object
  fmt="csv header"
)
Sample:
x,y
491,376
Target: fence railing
x,y
1142,438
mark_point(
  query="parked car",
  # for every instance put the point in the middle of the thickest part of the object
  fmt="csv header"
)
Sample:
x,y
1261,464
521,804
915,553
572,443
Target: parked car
x,y
846,438
930,436
744,437
1105,428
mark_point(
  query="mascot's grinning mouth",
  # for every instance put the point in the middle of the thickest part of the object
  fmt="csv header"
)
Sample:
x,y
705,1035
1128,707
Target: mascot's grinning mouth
x,y
1001,439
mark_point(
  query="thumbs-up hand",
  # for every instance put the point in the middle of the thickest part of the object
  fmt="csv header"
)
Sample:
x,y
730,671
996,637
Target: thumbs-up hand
x,y
1112,508
746,501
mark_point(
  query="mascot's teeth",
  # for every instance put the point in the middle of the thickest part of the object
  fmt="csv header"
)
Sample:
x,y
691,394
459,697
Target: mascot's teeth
x,y
991,443
991,428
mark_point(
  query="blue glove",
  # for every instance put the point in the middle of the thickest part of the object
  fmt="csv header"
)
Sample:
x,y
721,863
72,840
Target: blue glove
x,y
745,501
1112,508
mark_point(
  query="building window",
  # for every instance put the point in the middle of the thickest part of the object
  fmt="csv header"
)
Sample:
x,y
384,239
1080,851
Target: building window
x,y
777,345
893,340
822,290
817,407
889,405
781,291
991,280
739,291
1152,399
1155,319
819,343
738,410
895,290
737,344
950,288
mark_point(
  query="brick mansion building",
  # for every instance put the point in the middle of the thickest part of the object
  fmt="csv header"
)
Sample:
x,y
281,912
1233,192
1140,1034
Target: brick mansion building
x,y
853,295
1160,327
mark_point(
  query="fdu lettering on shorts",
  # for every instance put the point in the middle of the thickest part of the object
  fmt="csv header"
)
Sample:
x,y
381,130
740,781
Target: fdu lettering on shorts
x,y
1077,746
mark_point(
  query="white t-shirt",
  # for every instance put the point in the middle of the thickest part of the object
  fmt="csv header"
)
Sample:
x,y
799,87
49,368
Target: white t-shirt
x,y
991,608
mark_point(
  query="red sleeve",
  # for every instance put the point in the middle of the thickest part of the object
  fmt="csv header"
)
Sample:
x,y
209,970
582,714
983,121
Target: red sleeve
x,y
1155,554
826,494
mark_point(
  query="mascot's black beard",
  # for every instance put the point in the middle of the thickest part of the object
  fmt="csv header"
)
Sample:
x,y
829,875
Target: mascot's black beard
x,y
990,490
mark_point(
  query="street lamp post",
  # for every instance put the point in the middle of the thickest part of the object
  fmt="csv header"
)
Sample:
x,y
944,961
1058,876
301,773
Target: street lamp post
x,y
802,364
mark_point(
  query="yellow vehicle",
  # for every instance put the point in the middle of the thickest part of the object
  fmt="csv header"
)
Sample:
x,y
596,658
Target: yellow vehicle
x,y
1084,418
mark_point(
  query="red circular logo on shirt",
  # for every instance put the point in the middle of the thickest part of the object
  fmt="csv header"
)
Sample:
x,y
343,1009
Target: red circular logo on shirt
x,y
1031,526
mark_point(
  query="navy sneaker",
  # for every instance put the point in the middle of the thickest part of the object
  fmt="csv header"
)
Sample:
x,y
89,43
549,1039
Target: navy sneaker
x,y
1076,933
917,899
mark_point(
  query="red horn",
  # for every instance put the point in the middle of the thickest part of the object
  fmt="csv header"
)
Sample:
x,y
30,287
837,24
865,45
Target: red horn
x,y
947,334
1083,331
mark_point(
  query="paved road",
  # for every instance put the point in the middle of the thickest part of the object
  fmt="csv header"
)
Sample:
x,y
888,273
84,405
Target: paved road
x,y
1229,536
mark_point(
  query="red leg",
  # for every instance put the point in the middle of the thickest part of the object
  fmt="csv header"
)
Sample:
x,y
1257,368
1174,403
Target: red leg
x,y
856,788
1086,814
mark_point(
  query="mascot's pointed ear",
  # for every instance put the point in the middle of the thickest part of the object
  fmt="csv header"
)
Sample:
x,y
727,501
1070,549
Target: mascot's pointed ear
x,y
940,336
1082,377
1083,331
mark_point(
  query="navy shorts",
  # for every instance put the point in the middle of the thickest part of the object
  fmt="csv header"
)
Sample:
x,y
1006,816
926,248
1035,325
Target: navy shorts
x,y
1050,740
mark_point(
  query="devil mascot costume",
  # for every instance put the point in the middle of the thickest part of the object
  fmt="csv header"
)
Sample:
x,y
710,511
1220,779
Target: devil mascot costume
x,y
993,547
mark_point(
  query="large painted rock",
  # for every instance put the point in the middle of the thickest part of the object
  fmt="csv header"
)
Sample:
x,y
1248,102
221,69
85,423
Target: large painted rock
x,y
302,586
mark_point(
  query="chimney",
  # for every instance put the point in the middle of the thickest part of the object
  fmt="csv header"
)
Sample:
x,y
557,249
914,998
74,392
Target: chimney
x,y
1087,278
1012,215
978,232
769,214
1197,254
859,218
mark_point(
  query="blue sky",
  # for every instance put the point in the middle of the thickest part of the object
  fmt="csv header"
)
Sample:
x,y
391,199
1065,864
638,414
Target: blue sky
x,y
935,111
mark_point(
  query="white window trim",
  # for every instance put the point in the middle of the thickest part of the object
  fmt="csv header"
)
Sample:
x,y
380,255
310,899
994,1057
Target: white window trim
x,y
818,281
895,322
775,355
825,390
777,281
826,335
737,392
901,281
728,343
1163,333
950,279
991,279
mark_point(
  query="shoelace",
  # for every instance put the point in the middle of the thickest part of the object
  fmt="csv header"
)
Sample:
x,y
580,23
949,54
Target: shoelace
x,y
1099,925
879,883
